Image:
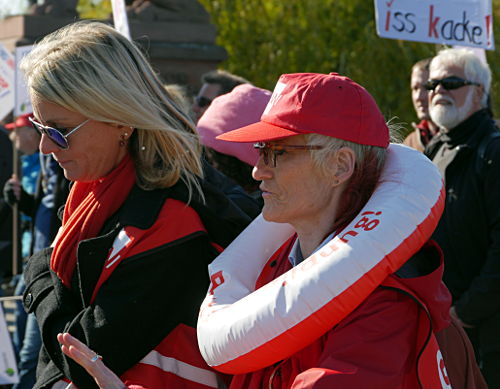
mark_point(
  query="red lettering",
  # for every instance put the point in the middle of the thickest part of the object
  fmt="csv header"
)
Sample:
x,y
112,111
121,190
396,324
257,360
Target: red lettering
x,y
367,224
3,84
371,213
217,279
433,21
343,237
387,20
488,23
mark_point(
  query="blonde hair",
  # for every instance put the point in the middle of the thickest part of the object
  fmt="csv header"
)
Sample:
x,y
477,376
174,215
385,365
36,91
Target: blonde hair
x,y
90,68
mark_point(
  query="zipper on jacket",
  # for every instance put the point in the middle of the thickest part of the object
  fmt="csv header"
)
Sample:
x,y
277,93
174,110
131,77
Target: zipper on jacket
x,y
275,372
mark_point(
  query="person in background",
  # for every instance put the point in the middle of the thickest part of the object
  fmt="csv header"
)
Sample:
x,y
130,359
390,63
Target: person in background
x,y
226,171
25,139
242,106
214,83
424,130
467,152
19,190
128,268
5,210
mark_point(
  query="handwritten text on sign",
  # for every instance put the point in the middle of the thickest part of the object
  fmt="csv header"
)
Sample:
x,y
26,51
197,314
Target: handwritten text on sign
x,y
451,22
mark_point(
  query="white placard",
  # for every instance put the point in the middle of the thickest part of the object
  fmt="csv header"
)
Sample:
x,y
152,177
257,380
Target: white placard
x,y
22,99
8,368
450,22
7,70
120,17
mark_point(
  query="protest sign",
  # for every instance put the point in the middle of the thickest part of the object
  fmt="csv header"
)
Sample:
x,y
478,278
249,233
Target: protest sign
x,y
7,70
8,368
22,103
450,22
120,17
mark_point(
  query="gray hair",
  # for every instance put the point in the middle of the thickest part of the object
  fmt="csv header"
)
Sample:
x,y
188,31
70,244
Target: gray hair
x,y
332,145
474,69
90,68
365,178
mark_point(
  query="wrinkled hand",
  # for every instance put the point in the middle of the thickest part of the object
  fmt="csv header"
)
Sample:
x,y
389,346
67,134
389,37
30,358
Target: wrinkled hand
x,y
12,190
453,314
83,355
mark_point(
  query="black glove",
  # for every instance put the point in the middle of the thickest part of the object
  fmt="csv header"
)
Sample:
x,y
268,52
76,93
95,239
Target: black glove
x,y
8,193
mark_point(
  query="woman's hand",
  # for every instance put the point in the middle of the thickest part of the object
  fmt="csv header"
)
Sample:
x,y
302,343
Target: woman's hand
x,y
90,361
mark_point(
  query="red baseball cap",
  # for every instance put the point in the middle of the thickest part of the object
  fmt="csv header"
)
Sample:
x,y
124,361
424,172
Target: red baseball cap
x,y
326,104
21,121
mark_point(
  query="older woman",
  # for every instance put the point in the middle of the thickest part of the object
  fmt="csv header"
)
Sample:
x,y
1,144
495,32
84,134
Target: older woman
x,y
127,271
323,143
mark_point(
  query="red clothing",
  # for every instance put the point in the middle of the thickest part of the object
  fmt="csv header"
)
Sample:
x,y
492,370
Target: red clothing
x,y
376,346
420,136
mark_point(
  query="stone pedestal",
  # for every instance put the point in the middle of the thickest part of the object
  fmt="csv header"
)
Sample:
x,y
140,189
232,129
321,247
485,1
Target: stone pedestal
x,y
180,51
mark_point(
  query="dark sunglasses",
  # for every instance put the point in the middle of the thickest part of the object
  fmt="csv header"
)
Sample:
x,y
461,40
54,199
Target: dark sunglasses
x,y
268,149
449,83
57,135
202,101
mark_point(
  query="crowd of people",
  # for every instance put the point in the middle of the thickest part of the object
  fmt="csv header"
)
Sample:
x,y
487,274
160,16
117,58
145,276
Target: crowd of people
x,y
129,191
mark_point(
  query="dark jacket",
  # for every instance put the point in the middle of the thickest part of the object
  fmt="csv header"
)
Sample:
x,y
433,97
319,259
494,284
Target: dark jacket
x,y
54,199
469,230
5,210
148,294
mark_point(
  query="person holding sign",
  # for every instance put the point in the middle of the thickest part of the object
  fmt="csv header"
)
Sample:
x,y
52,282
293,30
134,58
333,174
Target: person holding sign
x,y
467,152
127,270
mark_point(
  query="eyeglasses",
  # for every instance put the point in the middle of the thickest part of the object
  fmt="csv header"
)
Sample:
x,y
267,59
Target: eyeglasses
x,y
449,83
57,135
265,150
202,101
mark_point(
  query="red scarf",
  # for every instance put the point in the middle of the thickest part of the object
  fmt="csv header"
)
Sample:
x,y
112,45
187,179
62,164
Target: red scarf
x,y
88,207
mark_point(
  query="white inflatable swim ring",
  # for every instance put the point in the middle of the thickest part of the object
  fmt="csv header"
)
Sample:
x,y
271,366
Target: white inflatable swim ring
x,y
241,330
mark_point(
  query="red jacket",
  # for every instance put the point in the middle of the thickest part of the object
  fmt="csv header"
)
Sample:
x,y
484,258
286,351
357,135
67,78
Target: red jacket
x,y
377,345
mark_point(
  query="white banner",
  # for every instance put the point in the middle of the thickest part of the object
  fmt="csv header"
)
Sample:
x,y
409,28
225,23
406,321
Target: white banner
x,y
450,22
7,70
8,368
120,17
22,98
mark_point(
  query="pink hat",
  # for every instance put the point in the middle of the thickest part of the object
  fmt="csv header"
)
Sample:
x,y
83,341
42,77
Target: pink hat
x,y
21,121
330,105
240,107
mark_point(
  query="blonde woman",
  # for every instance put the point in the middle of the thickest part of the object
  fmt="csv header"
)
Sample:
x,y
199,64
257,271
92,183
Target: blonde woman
x,y
127,271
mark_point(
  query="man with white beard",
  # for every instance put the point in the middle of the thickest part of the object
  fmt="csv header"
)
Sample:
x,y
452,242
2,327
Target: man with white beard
x,y
467,151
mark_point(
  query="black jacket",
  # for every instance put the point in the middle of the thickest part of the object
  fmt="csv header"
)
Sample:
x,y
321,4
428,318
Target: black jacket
x,y
147,295
29,203
469,230
5,210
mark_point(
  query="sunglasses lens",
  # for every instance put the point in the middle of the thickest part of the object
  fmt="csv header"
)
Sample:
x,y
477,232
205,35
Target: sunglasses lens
x,y
431,84
57,138
452,84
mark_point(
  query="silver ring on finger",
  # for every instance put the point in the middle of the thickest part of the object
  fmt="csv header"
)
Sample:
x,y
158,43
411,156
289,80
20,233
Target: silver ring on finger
x,y
95,358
